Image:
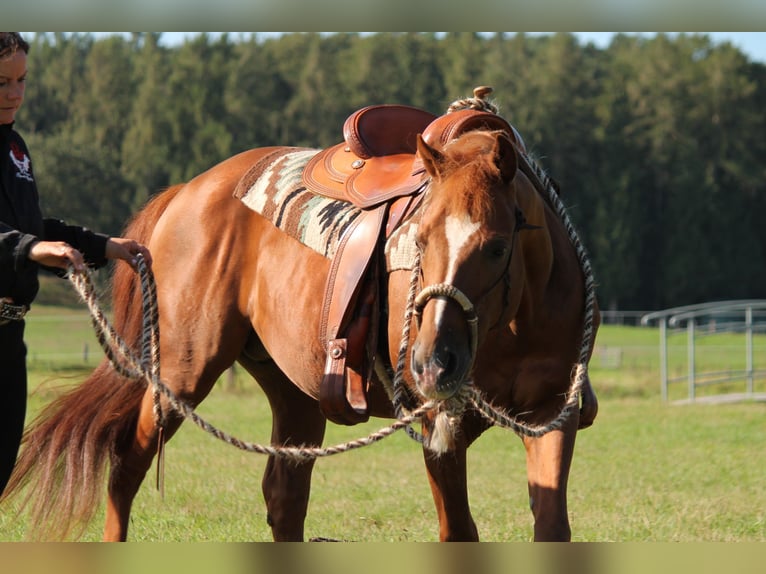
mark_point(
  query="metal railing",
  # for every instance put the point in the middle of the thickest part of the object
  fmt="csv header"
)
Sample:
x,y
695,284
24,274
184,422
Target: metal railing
x,y
739,315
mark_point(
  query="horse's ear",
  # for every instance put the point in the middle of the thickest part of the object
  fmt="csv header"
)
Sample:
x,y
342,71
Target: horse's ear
x,y
432,158
505,157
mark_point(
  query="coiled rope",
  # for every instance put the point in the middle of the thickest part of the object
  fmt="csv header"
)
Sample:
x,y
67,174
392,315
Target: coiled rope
x,y
579,375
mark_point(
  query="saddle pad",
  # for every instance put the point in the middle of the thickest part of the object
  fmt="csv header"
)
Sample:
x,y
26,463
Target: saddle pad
x,y
400,247
276,191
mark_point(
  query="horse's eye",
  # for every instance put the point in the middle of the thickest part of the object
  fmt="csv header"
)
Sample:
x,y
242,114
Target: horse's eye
x,y
497,249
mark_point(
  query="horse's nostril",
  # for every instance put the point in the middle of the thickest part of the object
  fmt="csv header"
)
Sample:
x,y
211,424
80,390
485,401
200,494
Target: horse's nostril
x,y
416,363
446,360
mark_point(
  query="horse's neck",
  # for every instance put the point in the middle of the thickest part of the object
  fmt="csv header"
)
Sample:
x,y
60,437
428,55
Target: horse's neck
x,y
545,275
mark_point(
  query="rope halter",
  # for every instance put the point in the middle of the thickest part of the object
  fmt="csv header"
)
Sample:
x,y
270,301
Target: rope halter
x,y
447,291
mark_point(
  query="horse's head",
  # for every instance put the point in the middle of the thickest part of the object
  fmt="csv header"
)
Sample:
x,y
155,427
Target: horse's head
x,y
468,250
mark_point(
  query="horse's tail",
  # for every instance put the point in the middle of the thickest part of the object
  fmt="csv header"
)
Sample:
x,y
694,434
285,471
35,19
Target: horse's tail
x,y
62,463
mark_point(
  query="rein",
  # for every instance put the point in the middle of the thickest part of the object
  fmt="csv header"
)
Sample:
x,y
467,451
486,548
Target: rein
x,y
579,376
147,366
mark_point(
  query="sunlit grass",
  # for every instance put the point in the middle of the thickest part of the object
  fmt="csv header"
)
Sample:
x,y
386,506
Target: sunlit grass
x,y
646,471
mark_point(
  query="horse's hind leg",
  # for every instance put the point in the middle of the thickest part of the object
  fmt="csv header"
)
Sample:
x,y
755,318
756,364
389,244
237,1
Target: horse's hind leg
x,y
297,421
190,375
548,462
129,467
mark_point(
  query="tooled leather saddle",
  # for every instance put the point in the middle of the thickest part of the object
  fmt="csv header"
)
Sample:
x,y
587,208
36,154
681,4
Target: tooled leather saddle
x,y
377,169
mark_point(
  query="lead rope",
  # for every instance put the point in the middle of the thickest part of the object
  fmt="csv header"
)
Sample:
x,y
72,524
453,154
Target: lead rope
x,y
401,393
469,392
579,375
128,365
148,367
114,346
150,355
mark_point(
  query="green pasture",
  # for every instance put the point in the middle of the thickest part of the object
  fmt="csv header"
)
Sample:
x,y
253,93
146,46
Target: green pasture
x,y
646,470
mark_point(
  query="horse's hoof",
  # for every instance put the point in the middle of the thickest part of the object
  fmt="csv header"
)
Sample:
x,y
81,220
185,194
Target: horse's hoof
x,y
323,539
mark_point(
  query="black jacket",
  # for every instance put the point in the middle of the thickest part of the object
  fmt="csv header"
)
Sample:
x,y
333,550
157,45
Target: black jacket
x,y
22,223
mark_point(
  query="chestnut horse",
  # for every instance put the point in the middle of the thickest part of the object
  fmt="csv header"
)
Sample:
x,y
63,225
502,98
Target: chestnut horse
x,y
231,286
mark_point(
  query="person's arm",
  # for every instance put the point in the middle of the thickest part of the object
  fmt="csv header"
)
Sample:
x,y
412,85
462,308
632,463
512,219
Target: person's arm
x,y
14,247
90,244
80,246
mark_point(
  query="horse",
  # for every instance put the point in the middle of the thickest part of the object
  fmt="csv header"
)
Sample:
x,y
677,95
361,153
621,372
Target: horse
x,y
506,319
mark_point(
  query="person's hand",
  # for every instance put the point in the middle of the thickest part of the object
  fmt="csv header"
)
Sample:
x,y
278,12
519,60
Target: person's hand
x,y
127,250
56,254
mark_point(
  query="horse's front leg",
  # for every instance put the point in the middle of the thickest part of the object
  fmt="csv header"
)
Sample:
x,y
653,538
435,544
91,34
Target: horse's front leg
x,y
548,462
447,476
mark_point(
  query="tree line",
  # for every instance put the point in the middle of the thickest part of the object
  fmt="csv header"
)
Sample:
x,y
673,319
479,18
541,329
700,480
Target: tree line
x,y
656,142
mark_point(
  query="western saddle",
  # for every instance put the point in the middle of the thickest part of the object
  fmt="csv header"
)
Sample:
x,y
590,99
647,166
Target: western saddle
x,y
377,169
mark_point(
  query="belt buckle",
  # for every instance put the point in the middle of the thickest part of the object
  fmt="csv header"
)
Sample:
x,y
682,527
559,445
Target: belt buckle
x,y
11,312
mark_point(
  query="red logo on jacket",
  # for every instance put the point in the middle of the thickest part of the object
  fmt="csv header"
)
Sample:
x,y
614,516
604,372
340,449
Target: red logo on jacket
x,y
21,161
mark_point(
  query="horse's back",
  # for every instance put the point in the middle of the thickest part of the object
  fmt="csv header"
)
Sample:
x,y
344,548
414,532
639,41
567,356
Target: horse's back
x,y
222,178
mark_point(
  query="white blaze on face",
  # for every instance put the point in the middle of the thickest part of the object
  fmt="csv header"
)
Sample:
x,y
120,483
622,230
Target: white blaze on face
x,y
459,232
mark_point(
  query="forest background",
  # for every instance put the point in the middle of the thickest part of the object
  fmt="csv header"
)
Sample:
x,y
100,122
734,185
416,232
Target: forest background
x,y
656,142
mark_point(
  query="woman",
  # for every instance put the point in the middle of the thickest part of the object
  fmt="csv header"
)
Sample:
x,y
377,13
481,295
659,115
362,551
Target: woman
x,y
27,241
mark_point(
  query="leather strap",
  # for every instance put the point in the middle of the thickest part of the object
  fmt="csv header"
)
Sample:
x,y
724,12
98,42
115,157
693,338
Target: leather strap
x,y
342,392
401,209
332,391
347,269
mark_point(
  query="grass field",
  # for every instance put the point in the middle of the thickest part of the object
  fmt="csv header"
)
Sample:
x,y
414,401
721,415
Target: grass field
x,y
646,470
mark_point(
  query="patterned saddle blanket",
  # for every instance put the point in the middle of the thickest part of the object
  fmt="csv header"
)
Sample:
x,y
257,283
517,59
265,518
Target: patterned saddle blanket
x,y
274,188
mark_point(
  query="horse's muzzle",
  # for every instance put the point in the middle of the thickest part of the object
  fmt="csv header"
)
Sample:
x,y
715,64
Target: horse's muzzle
x,y
441,367
440,373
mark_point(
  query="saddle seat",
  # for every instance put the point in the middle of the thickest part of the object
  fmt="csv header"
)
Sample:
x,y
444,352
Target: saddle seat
x,y
376,161
377,169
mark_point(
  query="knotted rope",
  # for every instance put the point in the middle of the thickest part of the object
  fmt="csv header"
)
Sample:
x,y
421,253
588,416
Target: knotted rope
x,y
477,102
